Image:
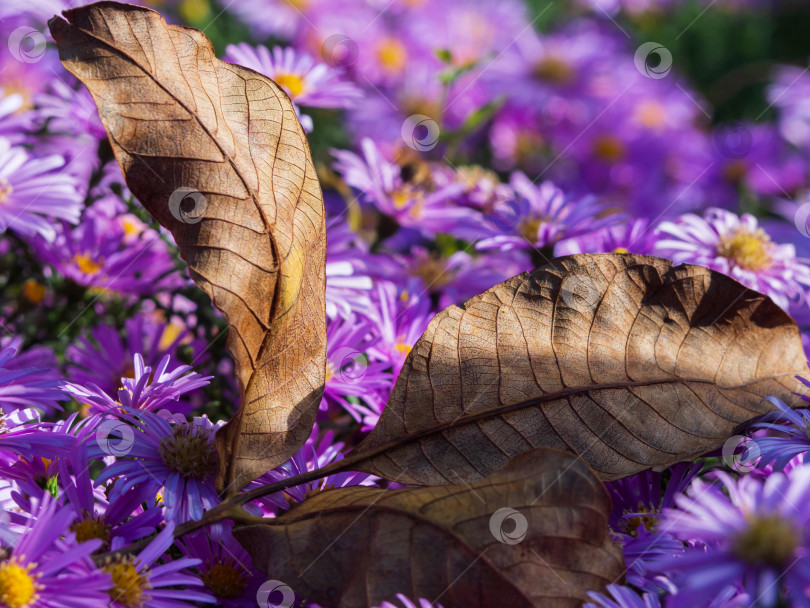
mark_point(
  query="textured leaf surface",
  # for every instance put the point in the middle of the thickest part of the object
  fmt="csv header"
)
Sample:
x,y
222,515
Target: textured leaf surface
x,y
183,123
623,359
357,547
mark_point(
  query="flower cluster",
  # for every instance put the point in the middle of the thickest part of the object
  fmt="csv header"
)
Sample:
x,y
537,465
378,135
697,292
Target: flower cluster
x,y
458,143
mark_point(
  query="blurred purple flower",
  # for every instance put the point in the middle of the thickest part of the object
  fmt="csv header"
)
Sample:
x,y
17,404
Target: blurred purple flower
x,y
755,535
737,246
31,188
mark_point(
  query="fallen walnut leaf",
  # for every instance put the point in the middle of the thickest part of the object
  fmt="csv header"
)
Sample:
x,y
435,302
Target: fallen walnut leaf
x,y
191,131
534,534
623,359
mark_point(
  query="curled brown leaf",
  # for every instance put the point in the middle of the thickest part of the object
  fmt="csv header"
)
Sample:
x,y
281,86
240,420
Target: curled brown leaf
x,y
216,154
532,535
626,360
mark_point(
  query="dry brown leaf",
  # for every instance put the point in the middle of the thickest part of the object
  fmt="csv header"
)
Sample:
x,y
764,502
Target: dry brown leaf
x,y
181,123
623,359
357,547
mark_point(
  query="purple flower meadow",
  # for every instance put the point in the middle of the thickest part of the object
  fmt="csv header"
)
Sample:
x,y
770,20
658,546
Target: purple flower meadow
x,y
457,143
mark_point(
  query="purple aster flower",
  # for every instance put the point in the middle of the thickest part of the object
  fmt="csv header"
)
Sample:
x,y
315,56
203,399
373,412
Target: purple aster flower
x,y
401,319
279,18
351,374
46,568
404,602
347,266
15,120
410,203
755,534
180,458
225,567
792,438
737,246
637,504
103,255
143,582
455,278
622,597
307,82
33,190
97,517
69,111
102,357
22,434
314,454
145,390
790,94
631,236
27,386
538,216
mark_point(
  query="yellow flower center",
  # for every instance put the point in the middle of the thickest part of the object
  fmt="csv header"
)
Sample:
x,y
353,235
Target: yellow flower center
x,y
608,148
18,588
392,54
330,371
554,69
768,540
403,348
293,83
91,527
5,190
129,585
194,10
632,524
132,225
651,114
621,250
749,250
33,291
86,264
528,228
432,272
225,579
169,335
188,451
298,4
